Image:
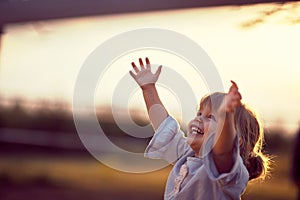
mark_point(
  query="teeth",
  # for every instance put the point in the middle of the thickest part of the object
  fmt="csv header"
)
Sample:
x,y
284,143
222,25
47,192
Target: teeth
x,y
196,131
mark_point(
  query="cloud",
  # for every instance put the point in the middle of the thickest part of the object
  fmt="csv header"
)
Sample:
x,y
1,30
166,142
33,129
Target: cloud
x,y
288,13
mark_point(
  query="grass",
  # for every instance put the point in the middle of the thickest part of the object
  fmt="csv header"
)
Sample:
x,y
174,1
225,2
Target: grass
x,y
277,186
84,175
87,176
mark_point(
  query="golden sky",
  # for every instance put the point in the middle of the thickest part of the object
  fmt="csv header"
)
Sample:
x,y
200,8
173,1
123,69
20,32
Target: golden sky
x,y
257,46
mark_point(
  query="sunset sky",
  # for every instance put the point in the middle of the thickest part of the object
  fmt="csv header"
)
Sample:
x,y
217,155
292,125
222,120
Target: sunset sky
x,y
257,46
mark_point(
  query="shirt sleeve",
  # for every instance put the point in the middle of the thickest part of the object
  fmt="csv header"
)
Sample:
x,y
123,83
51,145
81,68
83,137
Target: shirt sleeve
x,y
168,142
236,179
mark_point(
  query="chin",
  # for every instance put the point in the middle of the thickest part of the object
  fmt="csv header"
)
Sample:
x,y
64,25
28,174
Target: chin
x,y
196,147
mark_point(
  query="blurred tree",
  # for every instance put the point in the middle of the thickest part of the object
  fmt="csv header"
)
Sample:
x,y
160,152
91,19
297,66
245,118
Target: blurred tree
x,y
277,141
296,163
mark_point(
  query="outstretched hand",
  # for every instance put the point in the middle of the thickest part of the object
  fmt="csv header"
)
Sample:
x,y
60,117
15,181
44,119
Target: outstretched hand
x,y
143,75
232,98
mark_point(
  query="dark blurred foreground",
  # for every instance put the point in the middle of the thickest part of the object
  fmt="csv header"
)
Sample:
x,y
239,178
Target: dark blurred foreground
x,y
42,157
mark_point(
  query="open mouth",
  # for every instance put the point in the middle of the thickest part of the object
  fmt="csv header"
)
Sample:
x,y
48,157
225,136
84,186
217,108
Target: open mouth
x,y
196,130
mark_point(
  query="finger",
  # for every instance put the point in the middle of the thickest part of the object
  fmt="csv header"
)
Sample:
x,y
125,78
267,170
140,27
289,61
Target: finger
x,y
240,95
237,95
233,88
147,62
141,63
132,74
158,71
135,67
234,97
234,83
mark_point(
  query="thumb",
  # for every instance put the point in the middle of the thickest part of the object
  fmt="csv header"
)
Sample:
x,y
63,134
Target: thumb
x,y
132,74
158,71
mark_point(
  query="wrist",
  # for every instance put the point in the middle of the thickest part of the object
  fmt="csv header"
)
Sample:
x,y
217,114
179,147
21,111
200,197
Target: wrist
x,y
148,86
225,114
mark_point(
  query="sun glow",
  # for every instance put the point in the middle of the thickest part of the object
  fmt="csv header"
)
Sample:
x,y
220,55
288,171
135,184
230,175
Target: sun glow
x,y
257,46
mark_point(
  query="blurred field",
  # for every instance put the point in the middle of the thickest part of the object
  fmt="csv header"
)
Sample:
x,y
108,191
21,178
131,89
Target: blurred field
x,y
277,186
42,157
74,178
33,177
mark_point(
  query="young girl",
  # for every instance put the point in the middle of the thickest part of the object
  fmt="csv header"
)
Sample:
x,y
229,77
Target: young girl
x,y
221,151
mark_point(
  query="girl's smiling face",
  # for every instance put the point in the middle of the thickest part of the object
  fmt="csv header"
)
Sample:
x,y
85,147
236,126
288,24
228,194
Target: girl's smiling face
x,y
200,127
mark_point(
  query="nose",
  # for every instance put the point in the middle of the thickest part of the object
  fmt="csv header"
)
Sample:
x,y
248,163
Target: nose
x,y
199,118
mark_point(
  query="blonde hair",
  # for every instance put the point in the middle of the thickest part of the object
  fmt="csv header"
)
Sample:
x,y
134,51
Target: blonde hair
x,y
249,131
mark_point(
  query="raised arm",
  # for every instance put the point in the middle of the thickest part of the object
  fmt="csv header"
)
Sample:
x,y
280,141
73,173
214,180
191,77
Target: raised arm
x,y
226,133
146,80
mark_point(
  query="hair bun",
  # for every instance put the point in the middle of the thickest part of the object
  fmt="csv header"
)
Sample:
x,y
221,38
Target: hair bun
x,y
254,166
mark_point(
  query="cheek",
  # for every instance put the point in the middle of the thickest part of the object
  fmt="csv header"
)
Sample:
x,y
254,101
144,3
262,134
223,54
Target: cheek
x,y
206,127
209,127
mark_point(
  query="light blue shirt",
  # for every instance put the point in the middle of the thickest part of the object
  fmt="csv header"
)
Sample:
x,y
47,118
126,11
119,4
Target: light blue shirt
x,y
195,178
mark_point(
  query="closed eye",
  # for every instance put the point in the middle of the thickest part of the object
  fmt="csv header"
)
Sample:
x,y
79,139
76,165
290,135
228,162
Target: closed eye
x,y
211,117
